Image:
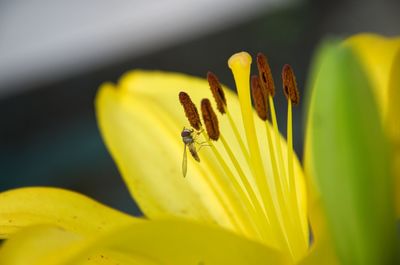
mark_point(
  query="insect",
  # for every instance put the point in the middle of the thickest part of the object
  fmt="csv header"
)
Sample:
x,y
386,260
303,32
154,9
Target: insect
x,y
189,142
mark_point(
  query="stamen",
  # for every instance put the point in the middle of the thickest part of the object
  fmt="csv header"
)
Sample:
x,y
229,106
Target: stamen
x,y
267,83
219,97
217,91
292,95
278,180
259,99
190,110
210,119
265,75
289,84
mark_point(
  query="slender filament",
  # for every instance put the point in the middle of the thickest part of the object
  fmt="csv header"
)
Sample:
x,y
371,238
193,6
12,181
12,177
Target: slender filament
x,y
244,227
259,211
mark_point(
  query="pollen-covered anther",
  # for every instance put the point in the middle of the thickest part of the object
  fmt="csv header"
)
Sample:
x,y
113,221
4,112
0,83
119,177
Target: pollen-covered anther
x,y
210,119
217,91
259,98
289,84
190,110
265,75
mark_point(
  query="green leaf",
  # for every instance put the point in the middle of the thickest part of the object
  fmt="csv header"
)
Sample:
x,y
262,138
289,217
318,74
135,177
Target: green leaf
x,y
349,159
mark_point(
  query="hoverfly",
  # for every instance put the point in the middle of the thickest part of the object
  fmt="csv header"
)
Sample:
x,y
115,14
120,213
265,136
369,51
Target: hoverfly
x,y
189,141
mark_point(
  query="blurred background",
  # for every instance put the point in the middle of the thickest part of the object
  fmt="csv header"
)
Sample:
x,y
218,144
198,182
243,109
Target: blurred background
x,y
55,54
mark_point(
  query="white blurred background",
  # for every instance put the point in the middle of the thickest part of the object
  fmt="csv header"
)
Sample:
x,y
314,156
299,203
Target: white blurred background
x,y
45,40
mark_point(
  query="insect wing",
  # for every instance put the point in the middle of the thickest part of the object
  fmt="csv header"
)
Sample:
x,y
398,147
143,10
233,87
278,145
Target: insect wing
x,y
184,162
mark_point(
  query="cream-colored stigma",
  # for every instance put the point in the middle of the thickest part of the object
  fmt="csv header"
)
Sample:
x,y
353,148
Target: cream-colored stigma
x,y
239,60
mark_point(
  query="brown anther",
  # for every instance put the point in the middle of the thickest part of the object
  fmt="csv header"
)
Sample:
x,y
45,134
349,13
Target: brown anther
x,y
210,119
265,75
289,84
190,110
217,91
259,98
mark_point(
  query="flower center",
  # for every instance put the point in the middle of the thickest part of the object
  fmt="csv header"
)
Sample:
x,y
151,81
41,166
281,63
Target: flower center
x,y
271,197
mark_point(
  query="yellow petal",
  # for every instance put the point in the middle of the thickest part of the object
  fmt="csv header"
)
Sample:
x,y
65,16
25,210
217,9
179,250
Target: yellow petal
x,y
144,139
152,242
179,242
141,120
66,209
49,245
381,59
35,245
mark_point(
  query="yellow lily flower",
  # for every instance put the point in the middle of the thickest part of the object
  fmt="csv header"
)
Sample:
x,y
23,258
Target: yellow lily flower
x,y
141,121
233,187
243,203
